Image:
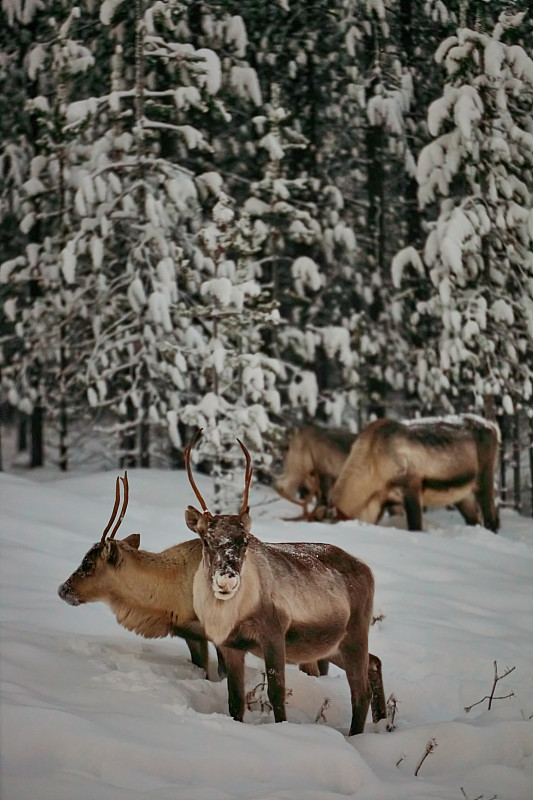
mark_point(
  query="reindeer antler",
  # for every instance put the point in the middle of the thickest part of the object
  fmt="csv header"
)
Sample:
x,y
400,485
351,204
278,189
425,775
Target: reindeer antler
x,y
187,460
247,480
115,508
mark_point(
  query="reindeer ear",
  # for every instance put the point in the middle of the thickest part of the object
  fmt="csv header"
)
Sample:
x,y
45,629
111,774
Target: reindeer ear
x,y
246,521
195,520
133,540
110,552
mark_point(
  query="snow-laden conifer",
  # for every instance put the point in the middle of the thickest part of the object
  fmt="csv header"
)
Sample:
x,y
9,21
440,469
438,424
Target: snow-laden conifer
x,y
475,304
48,300
227,318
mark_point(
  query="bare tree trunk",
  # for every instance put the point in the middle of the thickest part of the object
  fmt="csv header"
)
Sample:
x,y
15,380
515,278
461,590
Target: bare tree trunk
x,y
531,464
63,434
517,488
37,435
22,429
144,433
411,210
376,193
128,438
63,406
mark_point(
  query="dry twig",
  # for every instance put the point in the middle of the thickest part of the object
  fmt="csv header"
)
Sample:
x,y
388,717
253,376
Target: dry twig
x,y
490,697
479,797
392,710
430,747
323,707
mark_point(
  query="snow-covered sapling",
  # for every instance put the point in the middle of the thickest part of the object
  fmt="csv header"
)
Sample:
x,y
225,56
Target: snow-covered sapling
x,y
430,747
490,697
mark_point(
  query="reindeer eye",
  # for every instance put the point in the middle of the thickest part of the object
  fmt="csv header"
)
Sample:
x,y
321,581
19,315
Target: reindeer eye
x,y
87,564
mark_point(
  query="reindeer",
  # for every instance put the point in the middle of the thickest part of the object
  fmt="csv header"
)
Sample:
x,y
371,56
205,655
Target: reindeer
x,y
294,603
149,593
426,462
313,461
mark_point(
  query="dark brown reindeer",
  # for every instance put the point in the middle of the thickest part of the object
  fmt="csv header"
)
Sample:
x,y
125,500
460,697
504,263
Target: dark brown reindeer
x,y
314,459
295,603
430,462
149,593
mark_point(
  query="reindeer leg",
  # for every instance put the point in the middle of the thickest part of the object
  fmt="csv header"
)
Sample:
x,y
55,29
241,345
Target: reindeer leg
x,y
198,651
323,666
413,506
234,660
274,657
221,664
470,510
315,668
355,662
378,702
310,668
486,500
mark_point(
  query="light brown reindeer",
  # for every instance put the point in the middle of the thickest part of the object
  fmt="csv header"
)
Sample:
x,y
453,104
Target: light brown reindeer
x,y
314,459
429,462
293,603
149,593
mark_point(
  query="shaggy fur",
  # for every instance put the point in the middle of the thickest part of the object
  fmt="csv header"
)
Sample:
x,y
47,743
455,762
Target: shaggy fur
x,y
429,462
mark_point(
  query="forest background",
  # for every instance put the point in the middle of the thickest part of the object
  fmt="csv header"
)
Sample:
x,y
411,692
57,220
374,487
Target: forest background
x,y
244,216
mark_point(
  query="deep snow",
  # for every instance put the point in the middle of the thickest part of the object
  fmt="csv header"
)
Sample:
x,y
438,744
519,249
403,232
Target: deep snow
x,y
93,712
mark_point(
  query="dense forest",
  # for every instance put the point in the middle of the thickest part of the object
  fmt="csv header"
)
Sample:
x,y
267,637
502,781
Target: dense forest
x,y
244,216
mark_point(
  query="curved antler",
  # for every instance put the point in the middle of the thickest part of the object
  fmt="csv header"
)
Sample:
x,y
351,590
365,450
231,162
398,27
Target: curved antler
x,y
247,480
187,460
124,505
115,508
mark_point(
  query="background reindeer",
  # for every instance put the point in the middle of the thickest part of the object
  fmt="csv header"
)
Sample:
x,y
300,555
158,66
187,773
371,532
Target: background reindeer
x,y
283,602
314,459
427,462
149,593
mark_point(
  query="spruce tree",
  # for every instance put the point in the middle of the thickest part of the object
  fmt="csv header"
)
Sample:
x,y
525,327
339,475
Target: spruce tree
x,y
472,286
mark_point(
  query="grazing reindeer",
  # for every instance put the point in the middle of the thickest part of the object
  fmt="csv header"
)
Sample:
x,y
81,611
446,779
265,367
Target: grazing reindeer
x,y
149,593
426,462
313,461
295,603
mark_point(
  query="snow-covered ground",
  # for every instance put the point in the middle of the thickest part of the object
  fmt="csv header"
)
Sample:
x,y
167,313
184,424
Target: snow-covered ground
x,y
92,712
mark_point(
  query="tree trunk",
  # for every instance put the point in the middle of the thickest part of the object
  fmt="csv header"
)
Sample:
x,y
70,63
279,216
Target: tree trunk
x,y
531,464
144,434
63,435
376,193
22,440
63,412
37,436
128,438
517,487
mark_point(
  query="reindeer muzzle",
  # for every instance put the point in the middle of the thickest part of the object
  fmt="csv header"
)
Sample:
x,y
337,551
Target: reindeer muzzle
x,y
67,594
224,585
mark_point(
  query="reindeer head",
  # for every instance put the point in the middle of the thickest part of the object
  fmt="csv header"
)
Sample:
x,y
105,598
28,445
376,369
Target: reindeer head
x,y
225,537
91,581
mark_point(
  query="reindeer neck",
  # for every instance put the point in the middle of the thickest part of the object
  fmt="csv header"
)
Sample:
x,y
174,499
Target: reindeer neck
x,y
220,617
328,459
153,591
